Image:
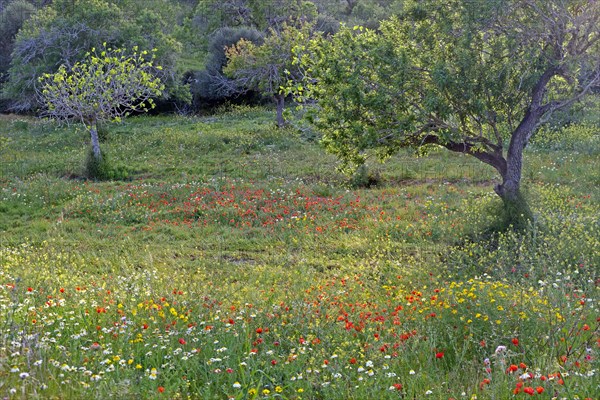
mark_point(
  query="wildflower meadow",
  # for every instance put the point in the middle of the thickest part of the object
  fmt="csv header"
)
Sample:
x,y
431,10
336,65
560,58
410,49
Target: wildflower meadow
x,y
229,260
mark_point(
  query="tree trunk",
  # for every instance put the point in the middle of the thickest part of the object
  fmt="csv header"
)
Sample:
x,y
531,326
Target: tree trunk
x,y
517,211
95,141
280,101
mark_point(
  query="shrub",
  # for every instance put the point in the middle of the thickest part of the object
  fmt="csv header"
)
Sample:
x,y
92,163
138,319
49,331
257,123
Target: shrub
x,y
363,178
102,169
210,85
39,46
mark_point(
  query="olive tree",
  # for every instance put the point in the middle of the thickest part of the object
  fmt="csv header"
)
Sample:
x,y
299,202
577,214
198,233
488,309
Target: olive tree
x,y
476,77
109,85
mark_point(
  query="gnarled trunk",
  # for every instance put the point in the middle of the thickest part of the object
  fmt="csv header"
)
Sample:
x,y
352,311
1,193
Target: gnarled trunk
x,y
517,211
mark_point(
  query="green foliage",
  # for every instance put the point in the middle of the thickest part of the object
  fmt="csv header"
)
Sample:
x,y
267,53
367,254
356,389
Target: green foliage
x,y
349,112
12,18
366,13
211,84
576,130
563,238
270,66
83,24
365,178
108,85
211,15
103,169
469,76
580,138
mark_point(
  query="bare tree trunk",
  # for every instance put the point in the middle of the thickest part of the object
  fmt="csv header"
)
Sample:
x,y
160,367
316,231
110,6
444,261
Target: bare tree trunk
x,y
517,211
280,101
95,141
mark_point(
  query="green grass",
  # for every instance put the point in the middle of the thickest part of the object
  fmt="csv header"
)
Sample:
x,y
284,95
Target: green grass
x,y
233,261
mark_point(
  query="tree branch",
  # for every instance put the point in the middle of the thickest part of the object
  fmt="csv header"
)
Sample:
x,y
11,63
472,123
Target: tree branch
x,y
495,159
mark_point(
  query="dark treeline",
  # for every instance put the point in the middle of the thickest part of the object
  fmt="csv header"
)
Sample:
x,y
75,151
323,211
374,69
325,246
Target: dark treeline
x,y
37,36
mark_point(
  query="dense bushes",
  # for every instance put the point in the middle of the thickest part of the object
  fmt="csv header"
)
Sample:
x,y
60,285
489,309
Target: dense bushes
x,y
61,34
12,18
211,86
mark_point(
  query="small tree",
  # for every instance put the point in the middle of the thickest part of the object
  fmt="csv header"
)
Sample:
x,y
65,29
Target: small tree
x,y
107,86
269,67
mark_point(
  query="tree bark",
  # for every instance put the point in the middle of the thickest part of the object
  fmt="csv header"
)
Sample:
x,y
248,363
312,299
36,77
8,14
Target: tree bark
x,y
280,101
510,188
95,141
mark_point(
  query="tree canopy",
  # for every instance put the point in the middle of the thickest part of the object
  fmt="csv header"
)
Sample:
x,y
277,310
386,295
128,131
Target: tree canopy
x,y
269,66
467,75
108,85
62,32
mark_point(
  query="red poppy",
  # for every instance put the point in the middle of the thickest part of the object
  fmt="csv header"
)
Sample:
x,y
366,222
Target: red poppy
x,y
353,360
397,386
161,389
515,341
182,341
563,358
439,354
539,390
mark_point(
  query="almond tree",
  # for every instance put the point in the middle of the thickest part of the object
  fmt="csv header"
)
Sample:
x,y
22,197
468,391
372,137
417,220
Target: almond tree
x,y
477,77
109,85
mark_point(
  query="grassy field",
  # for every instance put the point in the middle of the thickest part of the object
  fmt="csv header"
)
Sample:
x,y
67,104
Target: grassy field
x,y
229,259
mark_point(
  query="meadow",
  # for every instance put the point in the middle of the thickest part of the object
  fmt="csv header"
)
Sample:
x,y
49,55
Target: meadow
x,y
227,259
